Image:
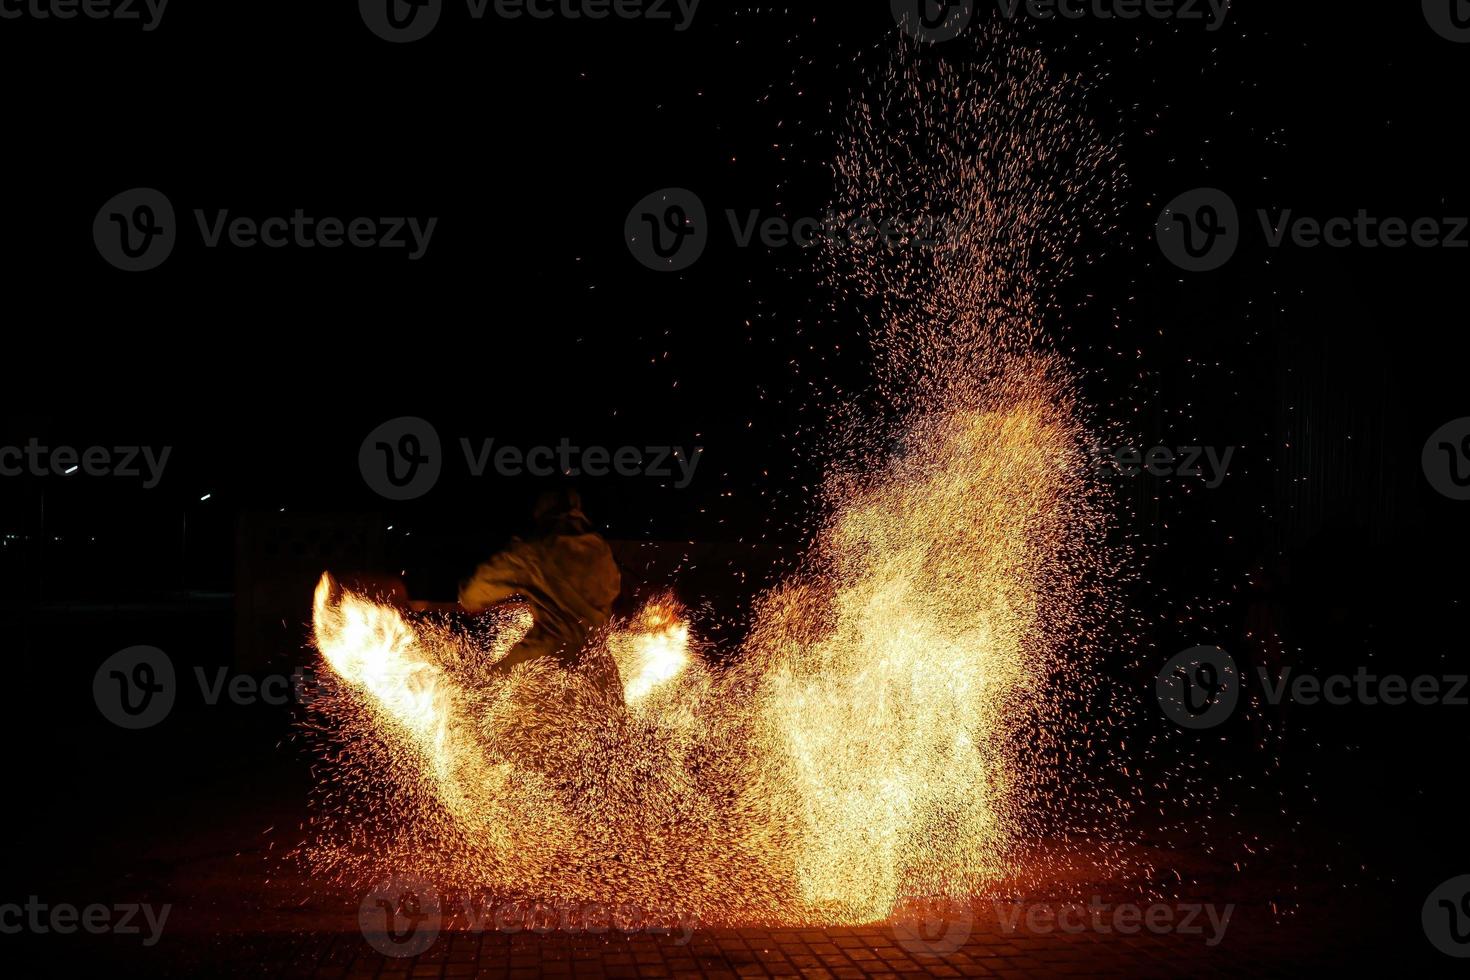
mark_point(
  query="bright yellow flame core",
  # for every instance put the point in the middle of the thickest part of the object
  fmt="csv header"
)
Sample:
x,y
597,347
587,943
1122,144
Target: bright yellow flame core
x,y
652,649
375,649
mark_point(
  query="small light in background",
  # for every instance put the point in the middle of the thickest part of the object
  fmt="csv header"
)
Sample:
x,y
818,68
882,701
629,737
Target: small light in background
x,y
205,497
72,470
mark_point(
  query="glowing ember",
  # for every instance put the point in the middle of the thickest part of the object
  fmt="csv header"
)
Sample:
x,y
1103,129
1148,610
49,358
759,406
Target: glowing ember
x,y
886,730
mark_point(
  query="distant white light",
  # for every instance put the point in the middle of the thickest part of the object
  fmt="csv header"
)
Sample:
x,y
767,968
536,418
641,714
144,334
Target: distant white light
x,y
205,497
72,470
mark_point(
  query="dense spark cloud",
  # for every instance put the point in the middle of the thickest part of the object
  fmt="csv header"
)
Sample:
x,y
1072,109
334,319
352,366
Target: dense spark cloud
x,y
890,727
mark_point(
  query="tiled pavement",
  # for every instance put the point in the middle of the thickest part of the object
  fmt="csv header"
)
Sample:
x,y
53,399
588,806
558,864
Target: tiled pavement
x,y
1251,947
839,953
237,911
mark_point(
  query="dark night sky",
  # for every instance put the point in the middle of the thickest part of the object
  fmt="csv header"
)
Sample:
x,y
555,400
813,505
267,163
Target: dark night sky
x,y
529,321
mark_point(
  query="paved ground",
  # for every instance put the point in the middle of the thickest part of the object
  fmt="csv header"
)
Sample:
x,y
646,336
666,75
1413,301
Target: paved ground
x,y
229,921
873,951
879,951
212,853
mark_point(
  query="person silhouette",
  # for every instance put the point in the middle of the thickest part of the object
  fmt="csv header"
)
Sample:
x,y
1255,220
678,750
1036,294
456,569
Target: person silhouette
x,y
564,570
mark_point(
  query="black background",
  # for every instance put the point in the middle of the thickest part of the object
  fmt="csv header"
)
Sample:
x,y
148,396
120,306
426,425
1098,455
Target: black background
x,y
529,321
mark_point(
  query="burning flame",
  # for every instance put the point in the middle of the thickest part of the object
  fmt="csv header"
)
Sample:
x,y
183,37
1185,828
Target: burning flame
x,y
861,750
902,667
374,649
651,650
883,733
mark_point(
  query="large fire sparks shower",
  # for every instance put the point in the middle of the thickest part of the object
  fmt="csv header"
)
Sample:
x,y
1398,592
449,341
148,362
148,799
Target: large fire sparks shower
x,y
887,729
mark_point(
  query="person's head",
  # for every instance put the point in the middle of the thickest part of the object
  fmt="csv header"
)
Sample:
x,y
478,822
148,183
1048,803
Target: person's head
x,y
559,511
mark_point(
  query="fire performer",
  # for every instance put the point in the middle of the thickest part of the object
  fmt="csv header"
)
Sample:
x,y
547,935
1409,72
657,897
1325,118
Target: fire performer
x,y
566,571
